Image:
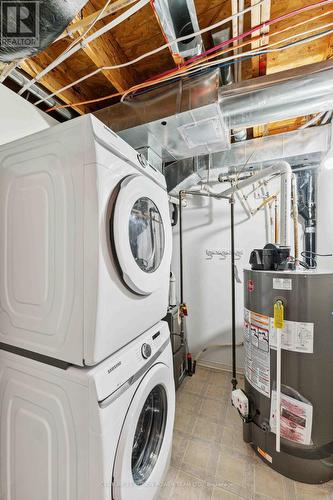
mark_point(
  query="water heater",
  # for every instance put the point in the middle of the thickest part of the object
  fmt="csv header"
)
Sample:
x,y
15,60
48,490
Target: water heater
x,y
305,412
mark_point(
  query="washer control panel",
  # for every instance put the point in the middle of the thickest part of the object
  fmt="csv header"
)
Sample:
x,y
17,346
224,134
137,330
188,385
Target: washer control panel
x,y
146,351
112,373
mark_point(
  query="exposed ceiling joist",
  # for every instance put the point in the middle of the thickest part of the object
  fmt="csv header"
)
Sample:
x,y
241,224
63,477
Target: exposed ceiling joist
x,y
105,51
53,81
82,24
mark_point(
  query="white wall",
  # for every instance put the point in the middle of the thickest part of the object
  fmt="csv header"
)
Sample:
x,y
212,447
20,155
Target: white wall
x,y
325,214
19,118
207,284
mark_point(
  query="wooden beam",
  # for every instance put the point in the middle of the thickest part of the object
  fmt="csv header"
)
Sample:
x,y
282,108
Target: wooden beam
x,y
105,51
84,23
259,64
53,81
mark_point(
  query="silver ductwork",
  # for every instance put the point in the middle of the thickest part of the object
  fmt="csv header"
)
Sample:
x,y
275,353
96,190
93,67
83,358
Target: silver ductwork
x,y
154,119
178,18
301,148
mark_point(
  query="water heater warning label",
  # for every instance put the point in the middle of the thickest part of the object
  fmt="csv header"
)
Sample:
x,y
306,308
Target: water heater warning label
x,y
296,419
260,337
257,356
296,336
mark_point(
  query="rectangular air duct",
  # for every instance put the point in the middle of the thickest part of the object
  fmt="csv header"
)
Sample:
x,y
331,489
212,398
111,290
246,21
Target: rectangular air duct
x,y
178,19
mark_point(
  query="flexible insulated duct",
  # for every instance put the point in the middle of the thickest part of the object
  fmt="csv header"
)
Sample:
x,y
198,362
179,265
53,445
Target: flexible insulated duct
x,y
29,29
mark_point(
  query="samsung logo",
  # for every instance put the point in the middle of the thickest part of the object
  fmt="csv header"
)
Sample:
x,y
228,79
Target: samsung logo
x,y
110,370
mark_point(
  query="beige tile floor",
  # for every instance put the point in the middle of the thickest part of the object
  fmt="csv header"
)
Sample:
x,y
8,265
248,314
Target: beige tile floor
x,y
210,461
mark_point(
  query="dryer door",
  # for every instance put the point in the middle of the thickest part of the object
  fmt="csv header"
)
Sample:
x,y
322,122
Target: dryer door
x,y
144,448
142,234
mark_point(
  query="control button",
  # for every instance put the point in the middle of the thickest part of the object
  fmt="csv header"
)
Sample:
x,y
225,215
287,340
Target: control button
x,y
146,351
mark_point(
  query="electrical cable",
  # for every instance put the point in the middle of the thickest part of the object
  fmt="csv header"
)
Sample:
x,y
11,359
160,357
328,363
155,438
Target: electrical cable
x,y
309,254
112,9
183,38
256,52
189,71
89,28
153,52
104,29
254,39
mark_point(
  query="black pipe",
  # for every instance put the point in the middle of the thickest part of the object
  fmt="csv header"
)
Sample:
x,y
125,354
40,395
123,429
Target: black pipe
x,y
306,182
233,292
181,267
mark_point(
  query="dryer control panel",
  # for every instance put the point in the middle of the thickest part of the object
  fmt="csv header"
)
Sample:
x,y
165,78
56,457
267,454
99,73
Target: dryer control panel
x,y
119,368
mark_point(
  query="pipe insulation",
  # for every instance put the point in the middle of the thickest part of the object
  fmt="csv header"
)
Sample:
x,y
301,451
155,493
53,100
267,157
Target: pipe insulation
x,y
40,24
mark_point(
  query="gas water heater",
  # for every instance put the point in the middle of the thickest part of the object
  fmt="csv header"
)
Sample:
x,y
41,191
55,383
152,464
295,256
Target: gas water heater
x,y
288,338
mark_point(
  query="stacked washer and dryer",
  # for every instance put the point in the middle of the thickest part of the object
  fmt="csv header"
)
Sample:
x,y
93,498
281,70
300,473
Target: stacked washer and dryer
x,y
87,393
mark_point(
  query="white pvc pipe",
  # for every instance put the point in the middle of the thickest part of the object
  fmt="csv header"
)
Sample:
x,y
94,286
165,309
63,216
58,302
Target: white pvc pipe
x,y
278,390
285,209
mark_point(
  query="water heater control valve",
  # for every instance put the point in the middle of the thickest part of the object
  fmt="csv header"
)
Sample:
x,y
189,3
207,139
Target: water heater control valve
x,y
240,402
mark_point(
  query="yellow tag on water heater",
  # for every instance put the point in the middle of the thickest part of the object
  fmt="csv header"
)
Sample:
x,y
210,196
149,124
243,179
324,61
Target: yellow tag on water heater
x,y
279,315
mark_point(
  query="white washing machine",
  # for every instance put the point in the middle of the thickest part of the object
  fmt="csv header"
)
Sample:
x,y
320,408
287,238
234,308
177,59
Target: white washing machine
x,y
96,433
85,243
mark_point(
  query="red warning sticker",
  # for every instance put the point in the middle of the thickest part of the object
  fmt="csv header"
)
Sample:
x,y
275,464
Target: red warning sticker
x,y
250,285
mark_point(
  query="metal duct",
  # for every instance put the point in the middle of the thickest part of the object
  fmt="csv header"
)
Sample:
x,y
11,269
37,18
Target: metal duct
x,y
178,18
301,147
156,116
292,93
29,27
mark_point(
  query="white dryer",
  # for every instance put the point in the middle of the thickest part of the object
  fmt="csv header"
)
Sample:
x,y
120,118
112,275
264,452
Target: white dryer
x,y
97,433
85,243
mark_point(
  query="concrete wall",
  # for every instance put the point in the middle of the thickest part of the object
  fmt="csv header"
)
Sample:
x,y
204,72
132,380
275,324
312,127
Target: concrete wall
x,y
207,283
19,118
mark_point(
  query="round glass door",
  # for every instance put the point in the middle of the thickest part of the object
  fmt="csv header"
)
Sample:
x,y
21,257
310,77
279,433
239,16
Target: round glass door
x,y
149,435
146,234
144,447
141,234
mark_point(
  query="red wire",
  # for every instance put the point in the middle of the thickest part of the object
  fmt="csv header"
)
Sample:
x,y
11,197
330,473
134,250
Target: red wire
x,y
247,33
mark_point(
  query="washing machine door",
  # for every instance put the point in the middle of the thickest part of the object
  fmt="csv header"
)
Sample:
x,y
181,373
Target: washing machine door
x,y
142,234
144,447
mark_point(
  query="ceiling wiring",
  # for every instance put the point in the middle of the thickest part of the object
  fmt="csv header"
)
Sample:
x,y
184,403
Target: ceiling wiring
x,y
219,63
155,51
206,56
104,29
255,52
89,28
204,30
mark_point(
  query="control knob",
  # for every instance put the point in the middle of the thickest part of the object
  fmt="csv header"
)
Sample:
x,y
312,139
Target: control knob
x,y
146,351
